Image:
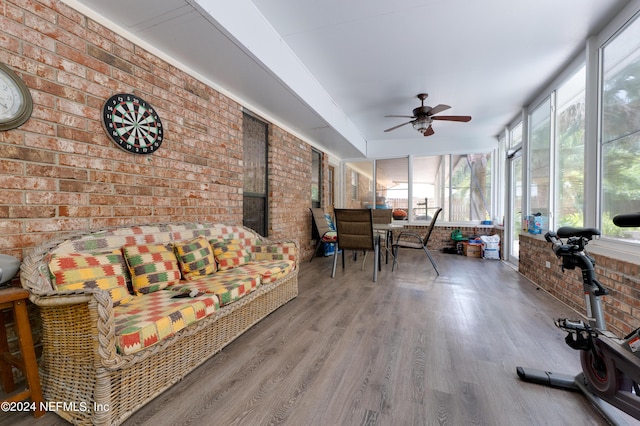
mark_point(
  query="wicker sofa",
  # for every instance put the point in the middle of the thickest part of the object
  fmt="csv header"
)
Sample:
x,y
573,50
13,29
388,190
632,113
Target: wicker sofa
x,y
114,334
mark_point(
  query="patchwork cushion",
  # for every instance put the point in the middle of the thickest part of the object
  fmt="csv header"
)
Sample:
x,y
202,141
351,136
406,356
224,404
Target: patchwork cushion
x,y
152,267
228,285
280,251
77,271
195,258
148,319
230,253
268,270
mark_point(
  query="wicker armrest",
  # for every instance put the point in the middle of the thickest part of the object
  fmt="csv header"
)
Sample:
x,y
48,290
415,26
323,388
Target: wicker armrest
x,y
83,315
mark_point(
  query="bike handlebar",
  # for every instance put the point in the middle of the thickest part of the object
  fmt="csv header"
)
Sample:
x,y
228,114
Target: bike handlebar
x,y
629,220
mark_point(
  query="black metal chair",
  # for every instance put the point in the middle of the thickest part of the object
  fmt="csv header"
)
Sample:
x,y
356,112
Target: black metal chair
x,y
355,232
415,240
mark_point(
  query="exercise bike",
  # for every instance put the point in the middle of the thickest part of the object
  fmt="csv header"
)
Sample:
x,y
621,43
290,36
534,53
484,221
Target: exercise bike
x,y
610,365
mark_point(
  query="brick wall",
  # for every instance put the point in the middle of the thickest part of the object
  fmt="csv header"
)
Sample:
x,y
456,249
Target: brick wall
x,y
622,279
60,171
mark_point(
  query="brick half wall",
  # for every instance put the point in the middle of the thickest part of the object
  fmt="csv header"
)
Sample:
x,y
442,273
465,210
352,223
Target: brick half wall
x,y
622,279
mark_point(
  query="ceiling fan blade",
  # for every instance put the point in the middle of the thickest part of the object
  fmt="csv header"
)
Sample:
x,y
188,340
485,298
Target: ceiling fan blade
x,y
462,118
438,108
429,131
401,116
399,125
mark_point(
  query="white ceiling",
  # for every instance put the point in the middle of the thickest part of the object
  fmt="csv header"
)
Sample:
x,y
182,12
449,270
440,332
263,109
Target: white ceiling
x,y
330,70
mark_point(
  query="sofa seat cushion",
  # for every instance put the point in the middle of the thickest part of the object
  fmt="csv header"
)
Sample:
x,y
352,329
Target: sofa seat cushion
x,y
150,318
268,270
228,286
79,271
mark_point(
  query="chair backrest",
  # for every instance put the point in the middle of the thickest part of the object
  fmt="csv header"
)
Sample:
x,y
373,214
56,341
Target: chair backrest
x,y
320,221
355,229
382,215
431,225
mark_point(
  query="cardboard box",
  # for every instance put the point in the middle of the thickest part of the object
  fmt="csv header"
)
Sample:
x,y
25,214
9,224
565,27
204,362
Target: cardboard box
x,y
472,250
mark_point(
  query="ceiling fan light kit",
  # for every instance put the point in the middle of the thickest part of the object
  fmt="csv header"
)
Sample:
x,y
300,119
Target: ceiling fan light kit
x,y
422,124
423,117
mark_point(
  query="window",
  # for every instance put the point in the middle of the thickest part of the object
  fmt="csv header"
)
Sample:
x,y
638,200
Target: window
x,y
359,176
392,183
331,198
316,178
255,188
620,110
570,116
539,159
470,187
427,191
460,184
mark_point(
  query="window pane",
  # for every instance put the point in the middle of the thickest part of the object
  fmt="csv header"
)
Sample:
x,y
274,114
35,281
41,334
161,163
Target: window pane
x,y
620,131
426,178
392,183
540,142
516,135
471,187
316,178
254,155
359,181
570,139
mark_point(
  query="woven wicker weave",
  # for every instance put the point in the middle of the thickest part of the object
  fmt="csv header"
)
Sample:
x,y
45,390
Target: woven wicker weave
x,y
80,363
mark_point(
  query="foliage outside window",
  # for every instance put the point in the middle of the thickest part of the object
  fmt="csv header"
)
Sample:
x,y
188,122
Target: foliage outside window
x,y
621,131
570,125
460,184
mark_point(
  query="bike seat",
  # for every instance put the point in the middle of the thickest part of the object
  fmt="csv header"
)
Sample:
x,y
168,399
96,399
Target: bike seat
x,y
570,231
629,220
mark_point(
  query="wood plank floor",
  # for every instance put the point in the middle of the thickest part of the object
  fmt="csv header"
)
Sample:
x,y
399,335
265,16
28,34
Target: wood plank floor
x,y
411,349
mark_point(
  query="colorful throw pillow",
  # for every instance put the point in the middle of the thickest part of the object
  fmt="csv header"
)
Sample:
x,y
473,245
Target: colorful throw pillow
x,y
78,271
195,258
230,253
153,267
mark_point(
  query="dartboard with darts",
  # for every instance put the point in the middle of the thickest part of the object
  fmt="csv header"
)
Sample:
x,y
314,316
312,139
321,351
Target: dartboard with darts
x,y
132,123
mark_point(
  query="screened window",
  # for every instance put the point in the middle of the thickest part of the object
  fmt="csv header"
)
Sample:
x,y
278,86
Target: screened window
x,y
539,159
621,130
570,117
359,176
460,184
392,183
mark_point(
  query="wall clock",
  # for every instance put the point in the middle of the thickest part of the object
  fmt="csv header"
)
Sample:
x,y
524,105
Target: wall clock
x,y
16,104
132,123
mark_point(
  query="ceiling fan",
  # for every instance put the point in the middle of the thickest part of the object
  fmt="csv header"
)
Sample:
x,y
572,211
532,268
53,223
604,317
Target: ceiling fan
x,y
423,117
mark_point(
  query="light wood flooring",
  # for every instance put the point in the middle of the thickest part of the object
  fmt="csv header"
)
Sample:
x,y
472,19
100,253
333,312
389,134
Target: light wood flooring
x,y
411,349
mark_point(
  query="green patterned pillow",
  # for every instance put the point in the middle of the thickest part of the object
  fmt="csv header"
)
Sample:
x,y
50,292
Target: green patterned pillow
x,y
78,271
195,258
152,267
230,253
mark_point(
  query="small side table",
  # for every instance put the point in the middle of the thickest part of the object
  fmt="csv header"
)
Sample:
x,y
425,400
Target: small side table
x,y
16,299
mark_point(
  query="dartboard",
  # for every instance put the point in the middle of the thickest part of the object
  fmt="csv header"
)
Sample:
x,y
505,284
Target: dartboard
x,y
132,123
